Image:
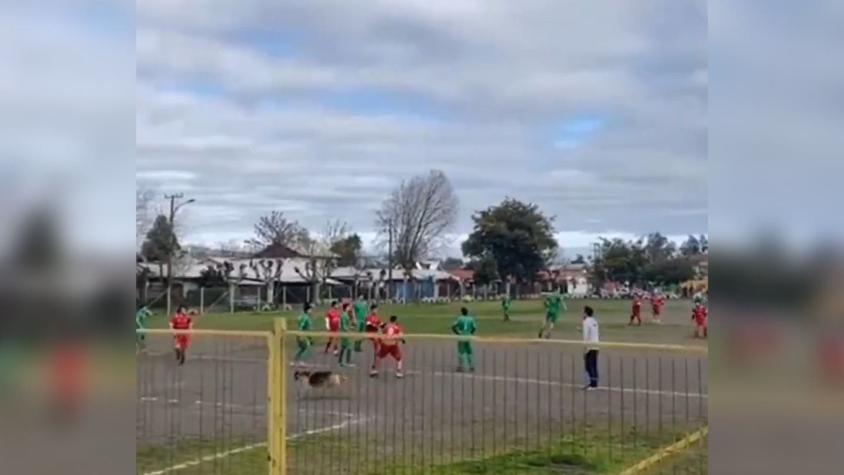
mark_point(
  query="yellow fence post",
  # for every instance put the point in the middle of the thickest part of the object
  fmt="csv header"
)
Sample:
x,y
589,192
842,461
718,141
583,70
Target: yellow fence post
x,y
277,404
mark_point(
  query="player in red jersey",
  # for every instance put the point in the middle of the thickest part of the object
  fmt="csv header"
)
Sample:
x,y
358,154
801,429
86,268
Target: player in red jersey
x,y
657,302
373,324
181,321
390,347
700,316
332,324
637,310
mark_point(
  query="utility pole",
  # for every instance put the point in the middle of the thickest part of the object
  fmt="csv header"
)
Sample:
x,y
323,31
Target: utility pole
x,y
389,257
172,217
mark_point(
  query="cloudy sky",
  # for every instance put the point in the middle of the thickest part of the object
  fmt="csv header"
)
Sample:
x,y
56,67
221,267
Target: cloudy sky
x,y
594,110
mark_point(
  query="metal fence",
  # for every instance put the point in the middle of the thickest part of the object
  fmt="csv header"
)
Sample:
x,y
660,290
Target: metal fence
x,y
522,410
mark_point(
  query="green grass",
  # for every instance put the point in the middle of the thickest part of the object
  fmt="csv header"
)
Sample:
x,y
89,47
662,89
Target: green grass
x,y
568,455
527,317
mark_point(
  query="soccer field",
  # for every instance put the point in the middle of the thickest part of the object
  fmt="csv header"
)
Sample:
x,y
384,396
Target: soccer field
x,y
522,411
526,318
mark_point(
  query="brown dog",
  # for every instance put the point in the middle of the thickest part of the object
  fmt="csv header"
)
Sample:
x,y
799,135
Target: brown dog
x,y
319,379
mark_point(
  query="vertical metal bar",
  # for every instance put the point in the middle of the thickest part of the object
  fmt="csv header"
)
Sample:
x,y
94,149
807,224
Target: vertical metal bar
x,y
230,366
482,358
585,422
527,396
278,421
647,397
536,360
674,398
573,410
560,410
622,408
413,420
608,359
495,399
635,405
472,406
686,385
660,395
549,363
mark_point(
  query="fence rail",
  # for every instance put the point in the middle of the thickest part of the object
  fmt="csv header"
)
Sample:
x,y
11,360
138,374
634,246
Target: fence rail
x,y
522,410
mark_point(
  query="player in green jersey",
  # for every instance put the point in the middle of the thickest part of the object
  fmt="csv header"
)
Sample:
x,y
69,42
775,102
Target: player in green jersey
x,y
465,325
304,343
345,342
554,305
140,324
361,309
506,304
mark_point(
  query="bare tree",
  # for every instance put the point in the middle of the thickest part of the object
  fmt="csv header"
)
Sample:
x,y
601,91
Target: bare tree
x,y
268,271
321,262
275,228
417,215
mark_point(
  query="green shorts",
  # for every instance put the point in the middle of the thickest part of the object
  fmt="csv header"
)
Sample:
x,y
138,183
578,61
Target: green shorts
x,y
303,343
464,347
361,326
552,317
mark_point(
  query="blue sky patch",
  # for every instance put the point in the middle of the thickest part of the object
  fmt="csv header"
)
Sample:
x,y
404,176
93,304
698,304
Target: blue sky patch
x,y
571,134
277,44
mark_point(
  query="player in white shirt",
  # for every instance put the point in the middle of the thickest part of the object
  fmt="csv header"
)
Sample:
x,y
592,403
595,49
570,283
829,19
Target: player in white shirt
x,y
591,337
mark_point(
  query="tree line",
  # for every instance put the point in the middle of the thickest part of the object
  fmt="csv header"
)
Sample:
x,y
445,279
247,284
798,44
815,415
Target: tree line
x,y
510,242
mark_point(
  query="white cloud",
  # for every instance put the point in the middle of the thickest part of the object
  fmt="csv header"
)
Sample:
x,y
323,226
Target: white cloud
x,y
362,96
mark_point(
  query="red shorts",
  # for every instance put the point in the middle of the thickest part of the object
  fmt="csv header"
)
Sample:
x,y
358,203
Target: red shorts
x,y
182,342
701,322
334,327
657,310
389,350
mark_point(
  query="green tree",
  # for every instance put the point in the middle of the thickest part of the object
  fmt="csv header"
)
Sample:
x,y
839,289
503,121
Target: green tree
x,y
691,247
618,260
516,235
161,242
670,271
347,250
658,247
486,270
579,259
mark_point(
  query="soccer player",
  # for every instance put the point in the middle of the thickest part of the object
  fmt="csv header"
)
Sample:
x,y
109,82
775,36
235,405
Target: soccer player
x,y
390,347
140,324
506,304
332,324
554,304
345,342
657,301
360,320
304,324
700,316
465,325
636,310
181,321
373,324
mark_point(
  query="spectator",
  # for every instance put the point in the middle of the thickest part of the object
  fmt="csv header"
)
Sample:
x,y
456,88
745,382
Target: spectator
x,y
591,338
